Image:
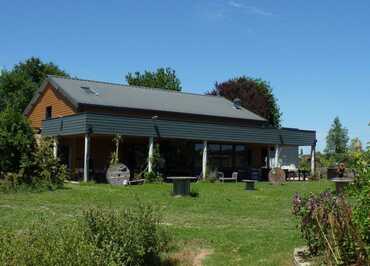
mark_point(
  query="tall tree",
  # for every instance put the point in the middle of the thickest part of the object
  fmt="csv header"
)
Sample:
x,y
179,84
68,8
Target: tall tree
x,y
18,85
255,95
164,78
16,140
337,138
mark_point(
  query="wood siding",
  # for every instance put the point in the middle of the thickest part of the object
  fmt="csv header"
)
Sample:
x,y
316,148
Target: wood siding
x,y
50,97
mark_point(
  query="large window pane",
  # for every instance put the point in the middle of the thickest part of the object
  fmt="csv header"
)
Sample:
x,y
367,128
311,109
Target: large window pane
x,y
241,158
227,155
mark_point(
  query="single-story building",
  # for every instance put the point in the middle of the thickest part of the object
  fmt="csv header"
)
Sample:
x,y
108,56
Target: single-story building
x,y
194,132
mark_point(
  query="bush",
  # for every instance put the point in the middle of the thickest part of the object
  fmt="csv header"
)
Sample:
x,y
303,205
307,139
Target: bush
x,y
325,222
152,177
360,193
102,237
129,237
16,140
44,245
38,172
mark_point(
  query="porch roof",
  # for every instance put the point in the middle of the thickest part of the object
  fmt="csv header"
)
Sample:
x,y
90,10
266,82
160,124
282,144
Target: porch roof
x,y
132,126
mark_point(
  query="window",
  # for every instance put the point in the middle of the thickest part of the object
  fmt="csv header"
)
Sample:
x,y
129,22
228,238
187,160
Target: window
x,y
48,113
241,158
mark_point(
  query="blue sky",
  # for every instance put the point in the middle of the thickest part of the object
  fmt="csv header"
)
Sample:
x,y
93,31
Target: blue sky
x,y
315,54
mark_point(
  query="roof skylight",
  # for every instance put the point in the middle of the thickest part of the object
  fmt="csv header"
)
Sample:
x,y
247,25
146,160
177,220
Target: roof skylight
x,y
89,90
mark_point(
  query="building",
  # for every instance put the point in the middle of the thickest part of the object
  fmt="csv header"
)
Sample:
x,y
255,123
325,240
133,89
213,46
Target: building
x,y
194,132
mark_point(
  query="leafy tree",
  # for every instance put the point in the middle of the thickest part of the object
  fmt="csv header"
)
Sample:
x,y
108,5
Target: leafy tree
x,y
16,140
164,78
337,138
356,145
18,85
255,95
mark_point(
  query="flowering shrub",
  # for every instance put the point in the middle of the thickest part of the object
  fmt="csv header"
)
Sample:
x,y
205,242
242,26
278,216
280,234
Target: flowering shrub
x,y
325,222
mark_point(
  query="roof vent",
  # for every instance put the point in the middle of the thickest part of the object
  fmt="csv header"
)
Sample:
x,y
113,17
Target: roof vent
x,y
89,90
237,103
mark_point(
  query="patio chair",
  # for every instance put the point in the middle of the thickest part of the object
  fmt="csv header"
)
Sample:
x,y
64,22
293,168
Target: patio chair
x,y
234,177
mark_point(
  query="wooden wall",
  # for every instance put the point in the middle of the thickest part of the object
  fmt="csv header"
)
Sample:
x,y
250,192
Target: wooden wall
x,y
50,97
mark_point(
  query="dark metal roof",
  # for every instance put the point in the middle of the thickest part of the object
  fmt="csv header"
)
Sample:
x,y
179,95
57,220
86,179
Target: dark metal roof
x,y
145,127
79,91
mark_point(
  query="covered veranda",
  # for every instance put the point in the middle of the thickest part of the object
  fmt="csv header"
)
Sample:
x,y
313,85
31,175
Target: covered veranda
x,y
84,143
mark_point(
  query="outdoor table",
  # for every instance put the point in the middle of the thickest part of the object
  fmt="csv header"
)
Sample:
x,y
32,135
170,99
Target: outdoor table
x,y
341,183
249,184
181,185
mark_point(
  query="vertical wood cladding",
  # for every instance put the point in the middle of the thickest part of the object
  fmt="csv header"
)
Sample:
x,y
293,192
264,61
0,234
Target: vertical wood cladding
x,y
49,97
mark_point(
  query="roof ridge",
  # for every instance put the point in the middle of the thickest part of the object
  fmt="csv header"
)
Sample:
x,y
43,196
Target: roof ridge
x,y
135,86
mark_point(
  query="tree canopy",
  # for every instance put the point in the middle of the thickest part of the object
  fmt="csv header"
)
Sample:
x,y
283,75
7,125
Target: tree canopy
x,y
18,85
255,95
16,140
337,138
164,78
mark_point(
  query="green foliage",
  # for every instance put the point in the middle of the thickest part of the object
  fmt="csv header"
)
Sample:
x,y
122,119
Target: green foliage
x,y
153,177
163,78
18,85
337,138
115,155
44,170
41,171
156,160
102,237
129,237
303,163
360,193
255,95
325,222
16,140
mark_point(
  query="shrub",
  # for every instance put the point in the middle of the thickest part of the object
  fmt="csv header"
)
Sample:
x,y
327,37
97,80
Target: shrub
x,y
325,222
16,140
44,170
44,245
129,237
38,172
101,237
360,193
152,177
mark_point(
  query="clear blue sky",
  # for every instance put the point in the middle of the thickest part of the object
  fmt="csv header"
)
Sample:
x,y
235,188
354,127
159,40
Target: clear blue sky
x,y
315,54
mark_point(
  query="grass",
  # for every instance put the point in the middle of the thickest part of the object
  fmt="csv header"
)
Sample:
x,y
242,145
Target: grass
x,y
238,227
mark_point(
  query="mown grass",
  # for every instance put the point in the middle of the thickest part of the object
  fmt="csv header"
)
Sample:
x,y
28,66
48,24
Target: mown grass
x,y
240,227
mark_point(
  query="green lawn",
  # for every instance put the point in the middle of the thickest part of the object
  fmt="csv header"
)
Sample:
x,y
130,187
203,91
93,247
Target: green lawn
x,y
241,228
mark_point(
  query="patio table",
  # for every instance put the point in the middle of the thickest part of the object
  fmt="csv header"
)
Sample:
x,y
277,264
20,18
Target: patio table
x,y
181,185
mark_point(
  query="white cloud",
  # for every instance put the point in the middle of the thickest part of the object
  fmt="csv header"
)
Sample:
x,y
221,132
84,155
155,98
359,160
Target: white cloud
x,y
251,9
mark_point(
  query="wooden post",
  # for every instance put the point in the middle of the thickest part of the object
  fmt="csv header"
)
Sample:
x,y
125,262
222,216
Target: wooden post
x,y
86,157
204,160
150,154
313,148
55,147
276,163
